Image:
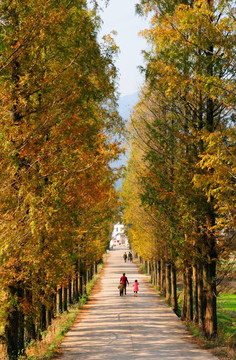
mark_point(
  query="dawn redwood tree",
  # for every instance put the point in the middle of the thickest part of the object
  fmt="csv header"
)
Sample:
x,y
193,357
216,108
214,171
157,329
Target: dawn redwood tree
x,y
190,67
152,145
58,111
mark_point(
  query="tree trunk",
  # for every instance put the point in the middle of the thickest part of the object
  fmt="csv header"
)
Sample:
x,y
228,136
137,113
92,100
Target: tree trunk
x,y
84,282
201,298
14,329
155,273
209,276
146,266
152,267
59,301
168,282
81,289
152,272
65,298
30,331
184,303
76,288
70,295
43,324
159,275
95,268
54,305
174,302
48,318
210,316
189,293
163,278
195,294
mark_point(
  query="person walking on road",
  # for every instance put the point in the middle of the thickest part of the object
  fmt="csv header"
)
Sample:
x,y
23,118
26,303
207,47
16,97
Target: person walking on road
x,y
130,258
124,281
136,289
125,257
121,288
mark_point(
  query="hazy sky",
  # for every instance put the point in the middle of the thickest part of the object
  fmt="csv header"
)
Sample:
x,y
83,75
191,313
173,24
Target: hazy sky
x,y
120,16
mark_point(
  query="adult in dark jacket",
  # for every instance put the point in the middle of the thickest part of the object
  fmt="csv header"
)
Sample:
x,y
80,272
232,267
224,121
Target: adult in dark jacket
x,y
124,281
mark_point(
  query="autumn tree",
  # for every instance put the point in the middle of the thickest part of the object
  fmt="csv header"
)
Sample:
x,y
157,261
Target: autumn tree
x,y
58,111
189,73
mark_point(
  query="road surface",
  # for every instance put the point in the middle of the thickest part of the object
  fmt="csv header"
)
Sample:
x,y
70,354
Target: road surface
x,y
138,328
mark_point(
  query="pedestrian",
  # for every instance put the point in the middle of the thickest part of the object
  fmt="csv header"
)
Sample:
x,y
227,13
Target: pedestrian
x,y
125,257
136,289
130,256
124,281
121,288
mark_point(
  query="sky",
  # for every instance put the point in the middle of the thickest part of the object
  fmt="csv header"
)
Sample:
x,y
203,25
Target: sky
x,y
120,16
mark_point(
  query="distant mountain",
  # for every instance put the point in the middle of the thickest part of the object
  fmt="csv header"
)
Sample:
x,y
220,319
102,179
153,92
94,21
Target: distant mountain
x,y
126,104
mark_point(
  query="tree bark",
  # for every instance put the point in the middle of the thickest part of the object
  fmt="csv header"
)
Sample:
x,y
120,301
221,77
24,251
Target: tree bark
x,y
95,267
210,316
168,282
70,296
146,266
43,324
48,318
30,331
155,273
65,298
14,329
159,275
195,294
189,294
76,288
59,301
163,278
174,302
84,282
184,303
81,289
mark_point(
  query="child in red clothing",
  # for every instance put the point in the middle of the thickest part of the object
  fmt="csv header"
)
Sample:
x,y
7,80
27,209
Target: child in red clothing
x,y
135,285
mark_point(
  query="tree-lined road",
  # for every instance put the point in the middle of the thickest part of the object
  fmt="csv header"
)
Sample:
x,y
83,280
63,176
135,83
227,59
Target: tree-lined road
x,y
113,327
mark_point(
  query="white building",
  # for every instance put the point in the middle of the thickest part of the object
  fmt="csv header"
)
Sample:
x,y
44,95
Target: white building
x,y
118,236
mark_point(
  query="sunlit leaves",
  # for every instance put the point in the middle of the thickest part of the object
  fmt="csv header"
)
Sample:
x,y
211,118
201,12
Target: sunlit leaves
x,y
58,111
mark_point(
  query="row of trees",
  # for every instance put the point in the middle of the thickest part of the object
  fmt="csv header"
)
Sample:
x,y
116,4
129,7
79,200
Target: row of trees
x,y
179,187
57,197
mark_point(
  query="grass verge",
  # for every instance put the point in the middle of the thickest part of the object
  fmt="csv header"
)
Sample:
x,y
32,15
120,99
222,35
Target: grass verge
x,y
46,348
224,345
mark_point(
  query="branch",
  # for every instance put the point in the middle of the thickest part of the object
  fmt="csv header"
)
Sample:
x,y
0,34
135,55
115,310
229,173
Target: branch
x,y
230,10
19,47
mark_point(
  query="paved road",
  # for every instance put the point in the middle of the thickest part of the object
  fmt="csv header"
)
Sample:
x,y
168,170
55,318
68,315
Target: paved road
x,y
115,328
